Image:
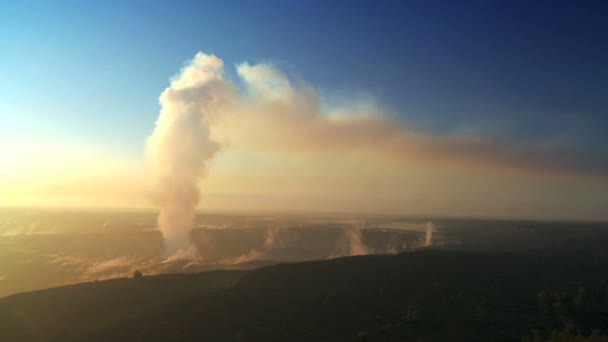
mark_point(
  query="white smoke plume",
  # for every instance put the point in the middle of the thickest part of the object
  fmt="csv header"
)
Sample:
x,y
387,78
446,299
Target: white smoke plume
x,y
351,242
355,242
272,240
180,146
202,111
273,235
428,241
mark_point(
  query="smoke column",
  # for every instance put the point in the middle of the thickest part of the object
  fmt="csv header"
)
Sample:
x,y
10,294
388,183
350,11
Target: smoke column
x,y
263,112
271,239
355,242
351,242
180,147
429,234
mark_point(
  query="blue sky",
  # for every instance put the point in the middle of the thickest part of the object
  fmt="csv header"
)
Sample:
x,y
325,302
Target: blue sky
x,y
91,72
491,108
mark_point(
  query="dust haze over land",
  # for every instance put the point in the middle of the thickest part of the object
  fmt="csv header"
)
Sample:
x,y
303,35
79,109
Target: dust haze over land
x,y
44,248
203,113
417,275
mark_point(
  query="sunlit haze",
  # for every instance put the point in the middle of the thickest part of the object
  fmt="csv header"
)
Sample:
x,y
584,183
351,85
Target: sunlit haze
x,y
303,170
411,117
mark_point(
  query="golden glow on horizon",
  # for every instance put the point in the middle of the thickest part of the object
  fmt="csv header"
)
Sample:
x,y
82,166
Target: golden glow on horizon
x,y
280,149
245,181
62,175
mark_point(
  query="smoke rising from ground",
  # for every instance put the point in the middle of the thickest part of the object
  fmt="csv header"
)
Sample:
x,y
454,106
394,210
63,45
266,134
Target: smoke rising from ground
x,y
354,242
272,239
202,111
428,241
180,146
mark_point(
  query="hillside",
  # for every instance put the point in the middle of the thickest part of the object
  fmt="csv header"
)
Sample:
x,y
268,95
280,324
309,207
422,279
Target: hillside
x,y
428,295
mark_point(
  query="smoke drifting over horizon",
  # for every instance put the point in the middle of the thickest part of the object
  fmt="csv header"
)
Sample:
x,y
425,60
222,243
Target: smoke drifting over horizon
x,y
202,112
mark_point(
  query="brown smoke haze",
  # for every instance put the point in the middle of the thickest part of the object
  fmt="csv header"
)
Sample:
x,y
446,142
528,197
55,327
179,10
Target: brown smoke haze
x,y
203,112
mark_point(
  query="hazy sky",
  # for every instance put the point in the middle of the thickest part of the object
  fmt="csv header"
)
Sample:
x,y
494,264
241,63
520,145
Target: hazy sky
x,y
522,84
